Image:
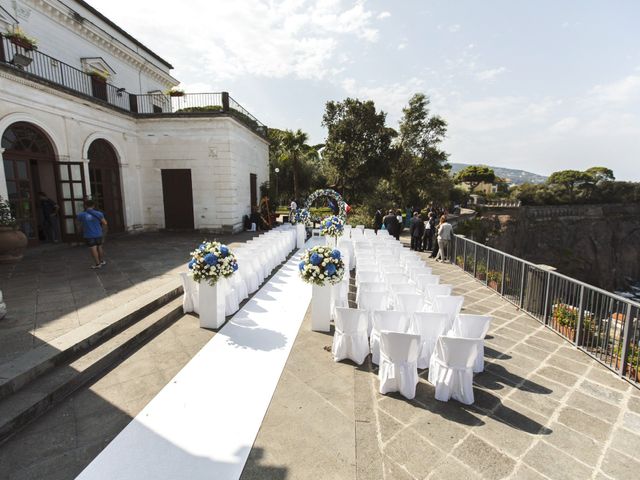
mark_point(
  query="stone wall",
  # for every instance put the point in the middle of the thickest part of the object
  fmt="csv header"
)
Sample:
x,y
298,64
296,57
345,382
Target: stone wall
x,y
598,244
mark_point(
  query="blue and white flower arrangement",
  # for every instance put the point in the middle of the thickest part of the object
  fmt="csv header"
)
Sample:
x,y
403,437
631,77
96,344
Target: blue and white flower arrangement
x,y
212,260
321,265
332,226
303,216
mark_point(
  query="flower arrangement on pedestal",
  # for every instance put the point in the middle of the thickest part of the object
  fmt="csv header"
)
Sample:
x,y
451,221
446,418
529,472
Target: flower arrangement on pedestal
x,y
212,260
301,215
322,265
332,226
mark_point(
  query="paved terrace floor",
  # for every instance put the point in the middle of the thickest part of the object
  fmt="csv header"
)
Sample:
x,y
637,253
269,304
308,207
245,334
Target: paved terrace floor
x,y
543,410
53,289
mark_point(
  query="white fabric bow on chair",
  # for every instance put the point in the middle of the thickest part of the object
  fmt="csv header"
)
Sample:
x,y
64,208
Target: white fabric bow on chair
x,y
350,338
451,369
398,363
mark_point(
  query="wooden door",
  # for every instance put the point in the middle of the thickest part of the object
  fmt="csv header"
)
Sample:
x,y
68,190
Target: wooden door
x,y
17,171
177,197
72,191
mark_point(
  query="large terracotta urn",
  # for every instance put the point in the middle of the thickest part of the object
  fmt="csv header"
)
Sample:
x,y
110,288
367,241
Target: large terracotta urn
x,y
12,245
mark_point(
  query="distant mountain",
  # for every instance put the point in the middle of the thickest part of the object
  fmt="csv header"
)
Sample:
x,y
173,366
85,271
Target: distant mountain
x,y
515,176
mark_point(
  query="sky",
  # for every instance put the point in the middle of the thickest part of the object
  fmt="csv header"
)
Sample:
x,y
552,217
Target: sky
x,y
537,85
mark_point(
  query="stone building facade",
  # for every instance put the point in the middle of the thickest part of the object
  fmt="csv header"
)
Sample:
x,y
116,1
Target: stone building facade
x,y
88,114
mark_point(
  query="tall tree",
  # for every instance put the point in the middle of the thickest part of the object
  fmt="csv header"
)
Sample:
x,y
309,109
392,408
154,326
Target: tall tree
x,y
419,165
569,181
474,175
289,149
357,146
600,174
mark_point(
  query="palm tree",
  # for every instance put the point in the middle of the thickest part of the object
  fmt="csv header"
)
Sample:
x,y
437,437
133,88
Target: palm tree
x,y
294,148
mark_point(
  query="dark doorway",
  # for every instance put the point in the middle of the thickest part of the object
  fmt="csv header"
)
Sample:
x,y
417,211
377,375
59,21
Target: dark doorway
x,y
104,177
28,167
99,87
253,185
177,197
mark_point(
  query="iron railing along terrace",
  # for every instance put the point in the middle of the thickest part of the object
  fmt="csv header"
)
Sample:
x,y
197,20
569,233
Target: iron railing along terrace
x,y
73,80
600,323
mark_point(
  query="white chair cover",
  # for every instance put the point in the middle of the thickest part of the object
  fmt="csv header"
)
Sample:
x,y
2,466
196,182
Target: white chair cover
x,y
395,278
451,305
429,326
372,301
350,338
472,326
387,320
409,302
451,369
423,280
432,291
379,287
366,276
398,370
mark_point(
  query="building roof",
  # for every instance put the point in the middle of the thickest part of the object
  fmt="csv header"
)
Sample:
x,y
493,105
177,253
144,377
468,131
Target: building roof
x,y
122,32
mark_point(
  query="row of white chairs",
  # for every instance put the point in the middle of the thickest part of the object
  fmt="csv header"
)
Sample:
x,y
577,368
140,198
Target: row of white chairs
x,y
256,260
407,320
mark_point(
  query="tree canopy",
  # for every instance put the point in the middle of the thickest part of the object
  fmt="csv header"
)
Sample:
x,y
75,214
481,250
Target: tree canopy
x,y
474,175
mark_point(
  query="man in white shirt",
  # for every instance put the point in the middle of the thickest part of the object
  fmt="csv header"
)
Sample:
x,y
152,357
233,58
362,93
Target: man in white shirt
x,y
445,230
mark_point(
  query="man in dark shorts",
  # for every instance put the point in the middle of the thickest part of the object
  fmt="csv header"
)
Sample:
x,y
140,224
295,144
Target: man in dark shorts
x,y
92,221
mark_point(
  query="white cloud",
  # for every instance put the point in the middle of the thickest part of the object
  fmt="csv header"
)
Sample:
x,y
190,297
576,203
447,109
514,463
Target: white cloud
x,y
491,74
383,15
621,91
264,38
565,125
454,28
402,46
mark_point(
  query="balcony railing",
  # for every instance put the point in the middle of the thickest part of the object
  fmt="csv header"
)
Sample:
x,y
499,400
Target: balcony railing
x,y
73,80
600,323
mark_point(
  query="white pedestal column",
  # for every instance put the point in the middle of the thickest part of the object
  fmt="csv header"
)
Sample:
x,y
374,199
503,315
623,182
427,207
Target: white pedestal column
x,y
301,235
321,308
330,241
211,307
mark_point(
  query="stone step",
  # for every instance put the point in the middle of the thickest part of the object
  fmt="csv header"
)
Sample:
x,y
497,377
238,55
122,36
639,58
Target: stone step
x,y
48,389
19,372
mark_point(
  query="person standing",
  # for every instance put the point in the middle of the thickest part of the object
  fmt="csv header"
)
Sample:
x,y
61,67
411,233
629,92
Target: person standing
x,y
377,221
444,238
92,222
50,221
416,229
429,229
292,210
390,222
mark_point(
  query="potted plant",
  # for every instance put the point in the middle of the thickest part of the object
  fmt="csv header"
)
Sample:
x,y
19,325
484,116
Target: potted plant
x,y
21,39
176,92
12,241
494,279
632,368
481,270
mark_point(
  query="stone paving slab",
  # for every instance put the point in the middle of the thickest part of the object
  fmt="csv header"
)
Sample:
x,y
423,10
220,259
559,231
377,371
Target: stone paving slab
x,y
52,290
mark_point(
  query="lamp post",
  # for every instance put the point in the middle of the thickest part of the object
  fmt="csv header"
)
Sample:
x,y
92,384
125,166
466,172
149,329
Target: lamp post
x,y
277,170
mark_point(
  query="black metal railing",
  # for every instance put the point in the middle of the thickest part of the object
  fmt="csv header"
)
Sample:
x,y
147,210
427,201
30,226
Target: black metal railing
x,y
600,323
53,71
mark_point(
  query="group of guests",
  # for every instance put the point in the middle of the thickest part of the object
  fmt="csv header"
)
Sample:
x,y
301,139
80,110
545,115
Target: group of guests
x,y
423,231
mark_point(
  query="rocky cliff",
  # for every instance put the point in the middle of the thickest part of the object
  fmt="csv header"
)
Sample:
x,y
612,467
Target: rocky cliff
x,y
598,244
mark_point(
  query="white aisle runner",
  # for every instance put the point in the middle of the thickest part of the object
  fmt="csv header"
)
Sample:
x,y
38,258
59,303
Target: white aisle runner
x,y
202,425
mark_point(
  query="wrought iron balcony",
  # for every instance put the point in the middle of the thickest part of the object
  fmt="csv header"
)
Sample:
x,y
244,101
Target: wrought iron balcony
x,y
41,67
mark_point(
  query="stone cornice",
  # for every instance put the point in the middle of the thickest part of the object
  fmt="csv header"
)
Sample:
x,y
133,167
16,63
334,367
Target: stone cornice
x,y
61,14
